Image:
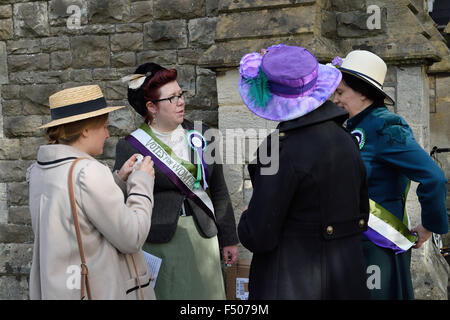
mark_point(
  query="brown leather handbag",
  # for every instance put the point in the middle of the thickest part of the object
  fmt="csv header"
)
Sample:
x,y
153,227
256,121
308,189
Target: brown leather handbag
x,y
84,269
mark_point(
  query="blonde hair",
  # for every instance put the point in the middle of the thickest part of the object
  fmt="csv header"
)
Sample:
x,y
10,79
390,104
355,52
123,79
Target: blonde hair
x,y
68,133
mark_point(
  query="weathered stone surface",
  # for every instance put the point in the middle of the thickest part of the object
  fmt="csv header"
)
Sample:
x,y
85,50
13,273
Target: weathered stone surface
x,y
81,75
18,193
60,60
116,90
229,5
15,258
165,35
120,122
29,147
190,55
10,91
186,77
5,11
14,233
174,9
22,126
3,64
162,57
9,149
141,11
108,11
32,62
353,24
281,22
127,42
23,46
90,51
31,19
347,5
6,29
13,288
129,27
39,93
202,31
12,107
123,59
55,44
206,96
13,170
210,117
59,12
24,77
19,215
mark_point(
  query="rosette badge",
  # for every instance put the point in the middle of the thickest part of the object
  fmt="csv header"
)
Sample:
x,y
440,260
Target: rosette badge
x,y
250,70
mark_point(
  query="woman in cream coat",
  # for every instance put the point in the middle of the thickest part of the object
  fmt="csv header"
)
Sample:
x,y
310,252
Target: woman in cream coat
x,y
112,230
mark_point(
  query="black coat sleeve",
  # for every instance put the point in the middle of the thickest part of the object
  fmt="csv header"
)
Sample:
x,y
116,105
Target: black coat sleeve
x,y
261,225
223,209
124,151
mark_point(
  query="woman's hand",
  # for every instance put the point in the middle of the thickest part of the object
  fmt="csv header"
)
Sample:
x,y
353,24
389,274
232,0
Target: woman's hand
x,y
230,254
422,234
127,167
147,166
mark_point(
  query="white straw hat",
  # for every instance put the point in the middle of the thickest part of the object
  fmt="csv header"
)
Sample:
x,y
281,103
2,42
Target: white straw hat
x,y
369,67
73,104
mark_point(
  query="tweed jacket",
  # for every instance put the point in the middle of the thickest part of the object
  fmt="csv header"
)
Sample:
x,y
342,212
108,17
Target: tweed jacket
x,y
111,229
169,199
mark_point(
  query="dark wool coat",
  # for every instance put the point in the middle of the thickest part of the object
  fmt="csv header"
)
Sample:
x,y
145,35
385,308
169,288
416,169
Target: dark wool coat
x,y
168,201
304,223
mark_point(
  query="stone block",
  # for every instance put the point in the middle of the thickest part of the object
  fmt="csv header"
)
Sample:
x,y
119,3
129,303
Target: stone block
x,y
23,77
16,258
84,76
233,5
31,19
3,64
3,204
55,44
129,27
14,288
120,122
9,149
177,9
165,35
127,42
109,11
285,21
13,170
202,31
18,193
228,93
190,55
141,11
6,29
31,62
39,93
22,126
5,11
115,90
90,52
162,57
19,215
12,108
60,60
14,233
59,12
186,77
354,24
234,176
29,147
206,92
24,46
109,149
9,92
210,117
123,59
410,94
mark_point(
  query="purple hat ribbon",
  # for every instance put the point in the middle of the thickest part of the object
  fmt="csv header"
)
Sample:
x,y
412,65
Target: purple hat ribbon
x,y
305,85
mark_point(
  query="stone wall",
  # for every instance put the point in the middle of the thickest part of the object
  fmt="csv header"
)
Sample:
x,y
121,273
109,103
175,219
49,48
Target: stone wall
x,y
42,50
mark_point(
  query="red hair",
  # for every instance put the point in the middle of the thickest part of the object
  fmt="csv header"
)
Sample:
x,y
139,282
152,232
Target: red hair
x,y
151,89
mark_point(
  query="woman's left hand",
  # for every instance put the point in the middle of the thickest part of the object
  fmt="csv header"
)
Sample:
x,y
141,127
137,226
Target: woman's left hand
x,y
230,254
127,167
422,234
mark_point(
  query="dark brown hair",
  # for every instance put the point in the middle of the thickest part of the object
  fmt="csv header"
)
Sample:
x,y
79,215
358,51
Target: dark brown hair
x,y
68,133
362,87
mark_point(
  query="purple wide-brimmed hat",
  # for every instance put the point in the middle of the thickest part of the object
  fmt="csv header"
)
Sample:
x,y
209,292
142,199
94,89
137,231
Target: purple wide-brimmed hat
x,y
285,83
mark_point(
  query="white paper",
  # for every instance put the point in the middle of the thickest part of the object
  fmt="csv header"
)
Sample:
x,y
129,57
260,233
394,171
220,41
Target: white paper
x,y
240,288
153,264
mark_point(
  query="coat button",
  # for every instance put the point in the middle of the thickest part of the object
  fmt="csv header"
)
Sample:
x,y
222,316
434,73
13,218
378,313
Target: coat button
x,y
362,223
282,134
330,230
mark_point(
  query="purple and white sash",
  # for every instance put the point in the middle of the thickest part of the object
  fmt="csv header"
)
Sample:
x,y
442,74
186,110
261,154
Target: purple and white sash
x,y
174,170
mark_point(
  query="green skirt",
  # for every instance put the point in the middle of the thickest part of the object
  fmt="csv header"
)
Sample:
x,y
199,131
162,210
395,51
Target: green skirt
x,y
190,268
389,275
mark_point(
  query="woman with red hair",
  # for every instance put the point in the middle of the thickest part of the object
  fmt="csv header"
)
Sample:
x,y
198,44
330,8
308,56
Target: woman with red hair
x,y
192,214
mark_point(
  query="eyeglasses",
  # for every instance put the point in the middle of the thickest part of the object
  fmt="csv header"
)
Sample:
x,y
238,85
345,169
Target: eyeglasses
x,y
173,99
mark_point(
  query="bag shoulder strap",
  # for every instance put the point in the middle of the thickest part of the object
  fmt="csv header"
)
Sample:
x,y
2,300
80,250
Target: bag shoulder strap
x,y
84,268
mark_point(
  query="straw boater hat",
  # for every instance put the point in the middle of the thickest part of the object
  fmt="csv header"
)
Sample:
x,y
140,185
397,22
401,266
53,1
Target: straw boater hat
x,y
366,66
77,103
285,83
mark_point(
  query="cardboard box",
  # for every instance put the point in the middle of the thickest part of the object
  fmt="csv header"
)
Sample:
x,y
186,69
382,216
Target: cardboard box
x,y
237,280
